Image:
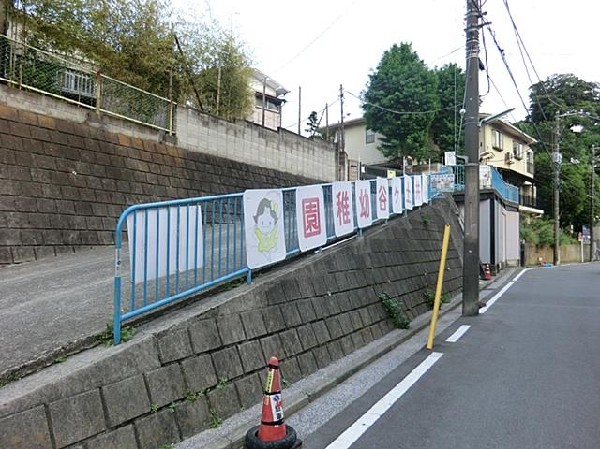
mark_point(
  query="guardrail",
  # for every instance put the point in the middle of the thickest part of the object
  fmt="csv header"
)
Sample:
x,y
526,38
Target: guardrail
x,y
183,247
30,68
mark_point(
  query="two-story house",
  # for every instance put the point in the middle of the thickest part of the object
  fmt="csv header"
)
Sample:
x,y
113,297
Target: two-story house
x,y
268,99
361,147
507,148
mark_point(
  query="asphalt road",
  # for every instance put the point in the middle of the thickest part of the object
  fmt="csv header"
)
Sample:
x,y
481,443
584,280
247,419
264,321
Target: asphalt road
x,y
525,375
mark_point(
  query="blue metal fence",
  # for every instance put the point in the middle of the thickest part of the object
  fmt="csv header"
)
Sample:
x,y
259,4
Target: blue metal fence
x,y
508,192
183,247
200,243
505,190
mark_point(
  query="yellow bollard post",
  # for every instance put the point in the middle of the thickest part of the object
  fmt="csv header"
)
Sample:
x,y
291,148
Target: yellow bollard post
x,y
438,290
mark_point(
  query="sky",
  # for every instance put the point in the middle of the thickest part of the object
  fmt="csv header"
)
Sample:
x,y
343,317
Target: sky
x,y
312,47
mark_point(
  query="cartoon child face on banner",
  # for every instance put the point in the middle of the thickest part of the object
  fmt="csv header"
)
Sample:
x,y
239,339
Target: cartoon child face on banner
x,y
265,225
265,235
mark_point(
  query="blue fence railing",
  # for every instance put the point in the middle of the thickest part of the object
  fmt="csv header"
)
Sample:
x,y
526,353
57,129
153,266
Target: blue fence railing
x,y
508,192
505,190
183,247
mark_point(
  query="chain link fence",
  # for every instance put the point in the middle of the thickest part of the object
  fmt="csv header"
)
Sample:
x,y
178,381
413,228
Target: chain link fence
x,y
29,68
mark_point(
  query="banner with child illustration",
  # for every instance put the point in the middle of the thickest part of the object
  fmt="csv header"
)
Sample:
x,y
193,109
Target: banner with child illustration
x,y
265,232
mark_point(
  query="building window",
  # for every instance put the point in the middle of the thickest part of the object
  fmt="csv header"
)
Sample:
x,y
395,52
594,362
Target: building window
x,y
78,83
498,140
530,162
518,149
370,136
270,105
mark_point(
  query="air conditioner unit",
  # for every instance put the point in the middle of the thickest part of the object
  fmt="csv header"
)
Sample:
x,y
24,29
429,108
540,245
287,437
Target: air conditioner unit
x,y
509,158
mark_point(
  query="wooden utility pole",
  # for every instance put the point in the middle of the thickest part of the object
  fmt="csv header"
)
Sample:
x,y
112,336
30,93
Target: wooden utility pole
x,y
341,140
299,110
556,161
592,201
470,302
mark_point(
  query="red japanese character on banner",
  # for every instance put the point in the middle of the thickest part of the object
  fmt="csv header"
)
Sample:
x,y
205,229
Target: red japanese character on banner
x,y
311,213
383,199
365,200
343,207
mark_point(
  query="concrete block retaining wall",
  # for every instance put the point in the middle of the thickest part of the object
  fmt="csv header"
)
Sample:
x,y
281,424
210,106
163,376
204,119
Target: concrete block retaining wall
x,y
67,174
194,367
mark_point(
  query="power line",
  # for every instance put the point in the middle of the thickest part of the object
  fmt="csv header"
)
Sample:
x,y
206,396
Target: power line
x,y
398,112
518,35
325,30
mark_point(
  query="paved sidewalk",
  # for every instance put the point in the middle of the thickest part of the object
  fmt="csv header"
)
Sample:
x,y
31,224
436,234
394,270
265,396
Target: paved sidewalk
x,y
53,306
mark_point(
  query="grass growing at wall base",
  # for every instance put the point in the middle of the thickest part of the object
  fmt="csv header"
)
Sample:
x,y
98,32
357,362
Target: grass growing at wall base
x,y
430,298
395,310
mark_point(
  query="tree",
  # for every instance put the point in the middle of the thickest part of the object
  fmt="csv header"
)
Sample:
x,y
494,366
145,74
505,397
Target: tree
x,y
134,41
400,103
579,101
313,123
446,123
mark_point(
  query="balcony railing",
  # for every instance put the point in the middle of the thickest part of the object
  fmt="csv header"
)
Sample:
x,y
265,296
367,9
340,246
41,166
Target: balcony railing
x,y
489,178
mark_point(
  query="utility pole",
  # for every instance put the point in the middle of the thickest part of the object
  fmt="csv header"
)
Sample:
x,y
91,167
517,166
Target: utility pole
x,y
299,109
556,160
470,302
341,143
327,122
264,103
592,202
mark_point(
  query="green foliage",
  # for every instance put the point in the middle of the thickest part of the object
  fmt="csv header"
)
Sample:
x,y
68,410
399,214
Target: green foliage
x,y
193,396
313,123
541,232
395,310
565,94
402,82
107,337
445,125
429,296
215,419
153,408
134,41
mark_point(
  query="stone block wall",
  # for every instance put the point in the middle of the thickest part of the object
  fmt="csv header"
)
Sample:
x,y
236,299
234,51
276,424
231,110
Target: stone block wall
x,y
205,364
64,184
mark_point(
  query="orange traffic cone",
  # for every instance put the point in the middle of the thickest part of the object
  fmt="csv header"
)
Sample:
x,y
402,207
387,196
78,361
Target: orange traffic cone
x,y
487,274
272,426
272,433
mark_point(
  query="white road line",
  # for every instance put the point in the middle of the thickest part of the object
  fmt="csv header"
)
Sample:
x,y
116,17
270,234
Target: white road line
x,y
362,424
459,333
520,274
498,295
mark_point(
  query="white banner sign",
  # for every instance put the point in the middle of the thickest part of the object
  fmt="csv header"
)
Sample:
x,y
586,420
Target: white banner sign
x,y
418,192
343,205
485,176
408,192
362,192
265,233
449,158
425,188
164,241
443,183
310,217
383,198
397,195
